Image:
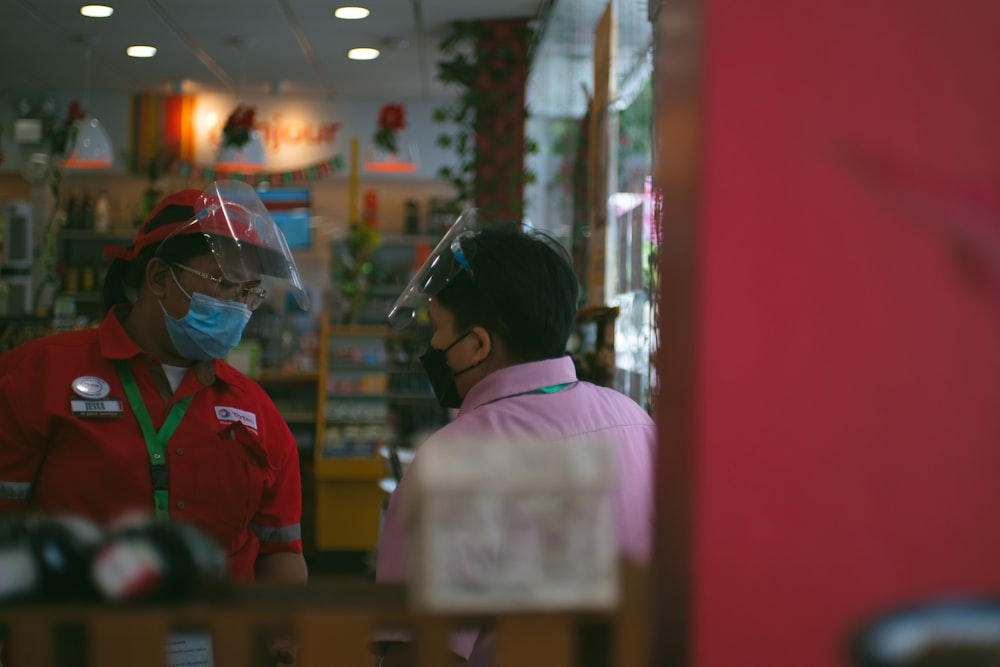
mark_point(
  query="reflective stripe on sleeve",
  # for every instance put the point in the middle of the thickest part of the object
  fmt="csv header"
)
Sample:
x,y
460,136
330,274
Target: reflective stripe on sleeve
x,y
277,534
14,490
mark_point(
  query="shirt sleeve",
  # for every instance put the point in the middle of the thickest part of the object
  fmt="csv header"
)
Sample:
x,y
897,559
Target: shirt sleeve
x,y
277,522
22,440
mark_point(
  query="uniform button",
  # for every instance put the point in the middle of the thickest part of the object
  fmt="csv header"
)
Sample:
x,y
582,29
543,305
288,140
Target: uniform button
x,y
180,504
156,456
180,451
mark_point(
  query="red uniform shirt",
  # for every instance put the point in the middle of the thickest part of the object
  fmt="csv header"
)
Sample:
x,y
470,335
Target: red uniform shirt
x,y
232,462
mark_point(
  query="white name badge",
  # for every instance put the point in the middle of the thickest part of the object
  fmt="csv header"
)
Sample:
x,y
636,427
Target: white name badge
x,y
107,407
189,649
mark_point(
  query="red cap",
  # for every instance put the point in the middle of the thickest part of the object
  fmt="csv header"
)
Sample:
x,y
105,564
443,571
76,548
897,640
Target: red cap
x,y
172,213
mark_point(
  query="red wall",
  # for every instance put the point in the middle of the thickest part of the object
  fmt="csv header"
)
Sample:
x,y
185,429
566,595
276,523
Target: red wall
x,y
847,441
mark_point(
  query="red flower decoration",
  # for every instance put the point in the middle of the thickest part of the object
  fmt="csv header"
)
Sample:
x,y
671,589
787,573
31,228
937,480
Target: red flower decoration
x,y
62,134
236,131
75,112
392,117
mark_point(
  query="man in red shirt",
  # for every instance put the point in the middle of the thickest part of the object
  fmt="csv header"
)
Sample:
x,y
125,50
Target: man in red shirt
x,y
141,413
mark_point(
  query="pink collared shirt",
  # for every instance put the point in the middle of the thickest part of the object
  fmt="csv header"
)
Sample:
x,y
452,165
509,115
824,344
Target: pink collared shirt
x,y
506,404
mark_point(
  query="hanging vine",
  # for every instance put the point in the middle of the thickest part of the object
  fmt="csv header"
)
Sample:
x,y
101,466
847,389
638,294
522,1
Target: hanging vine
x,y
479,60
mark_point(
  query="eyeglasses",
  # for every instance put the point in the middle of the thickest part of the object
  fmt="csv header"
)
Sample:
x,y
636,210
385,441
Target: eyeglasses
x,y
253,297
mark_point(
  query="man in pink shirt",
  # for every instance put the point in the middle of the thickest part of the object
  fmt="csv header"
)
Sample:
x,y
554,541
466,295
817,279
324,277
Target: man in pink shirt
x,y
502,304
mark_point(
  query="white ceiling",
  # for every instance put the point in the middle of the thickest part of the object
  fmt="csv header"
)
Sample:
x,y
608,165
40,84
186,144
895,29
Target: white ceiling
x,y
290,46
296,47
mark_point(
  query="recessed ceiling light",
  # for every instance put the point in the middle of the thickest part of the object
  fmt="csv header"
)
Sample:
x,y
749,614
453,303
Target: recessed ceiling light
x,y
363,54
141,51
97,11
350,13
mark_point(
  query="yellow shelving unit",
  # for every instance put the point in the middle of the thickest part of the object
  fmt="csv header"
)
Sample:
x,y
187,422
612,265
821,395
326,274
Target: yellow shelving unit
x,y
351,423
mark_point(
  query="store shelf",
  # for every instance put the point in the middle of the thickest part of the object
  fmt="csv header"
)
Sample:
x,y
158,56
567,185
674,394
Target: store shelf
x,y
352,422
90,235
294,394
287,377
299,417
351,469
355,394
412,398
340,366
84,297
362,415
81,253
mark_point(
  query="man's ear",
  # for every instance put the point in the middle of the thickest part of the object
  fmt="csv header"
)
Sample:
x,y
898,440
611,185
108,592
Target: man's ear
x,y
157,275
485,344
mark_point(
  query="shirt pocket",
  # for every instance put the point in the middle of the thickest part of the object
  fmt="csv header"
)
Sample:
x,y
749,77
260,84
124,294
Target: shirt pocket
x,y
231,478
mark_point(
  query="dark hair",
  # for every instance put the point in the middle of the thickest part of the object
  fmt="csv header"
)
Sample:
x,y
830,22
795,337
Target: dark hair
x,y
122,274
522,288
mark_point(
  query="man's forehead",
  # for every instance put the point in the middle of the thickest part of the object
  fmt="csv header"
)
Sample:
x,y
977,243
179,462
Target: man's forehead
x,y
438,315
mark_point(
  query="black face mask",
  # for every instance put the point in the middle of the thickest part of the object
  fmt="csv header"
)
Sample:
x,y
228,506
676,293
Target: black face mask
x,y
435,363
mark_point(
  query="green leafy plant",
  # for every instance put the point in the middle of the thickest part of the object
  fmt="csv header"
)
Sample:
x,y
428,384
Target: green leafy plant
x,y
477,64
61,139
351,267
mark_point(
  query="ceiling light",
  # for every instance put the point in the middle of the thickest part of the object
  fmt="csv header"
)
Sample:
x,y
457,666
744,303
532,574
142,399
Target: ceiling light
x,y
97,11
363,54
350,13
141,51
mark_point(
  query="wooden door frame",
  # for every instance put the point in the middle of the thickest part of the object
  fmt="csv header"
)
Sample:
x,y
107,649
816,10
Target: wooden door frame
x,y
677,171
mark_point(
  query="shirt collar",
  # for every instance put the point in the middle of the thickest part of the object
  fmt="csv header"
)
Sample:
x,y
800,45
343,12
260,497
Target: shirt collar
x,y
114,340
519,379
115,343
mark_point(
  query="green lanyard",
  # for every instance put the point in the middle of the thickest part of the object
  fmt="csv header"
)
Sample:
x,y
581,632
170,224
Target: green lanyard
x,y
156,441
551,389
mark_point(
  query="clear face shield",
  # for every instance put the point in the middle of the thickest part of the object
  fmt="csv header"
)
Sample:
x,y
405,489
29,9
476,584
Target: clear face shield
x,y
244,241
450,257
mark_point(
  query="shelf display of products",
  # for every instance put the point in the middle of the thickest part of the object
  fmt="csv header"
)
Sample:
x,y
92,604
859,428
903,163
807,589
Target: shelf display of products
x,y
355,441
294,394
81,266
373,396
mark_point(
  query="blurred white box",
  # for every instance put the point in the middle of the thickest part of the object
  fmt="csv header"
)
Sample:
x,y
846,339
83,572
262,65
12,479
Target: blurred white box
x,y
27,130
498,525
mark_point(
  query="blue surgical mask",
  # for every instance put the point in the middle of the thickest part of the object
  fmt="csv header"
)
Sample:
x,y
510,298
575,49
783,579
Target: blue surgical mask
x,y
211,328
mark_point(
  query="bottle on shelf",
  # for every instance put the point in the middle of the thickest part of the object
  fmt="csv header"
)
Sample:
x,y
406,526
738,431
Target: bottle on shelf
x,y
87,213
87,278
47,558
158,559
411,224
102,212
370,212
72,212
71,280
